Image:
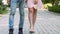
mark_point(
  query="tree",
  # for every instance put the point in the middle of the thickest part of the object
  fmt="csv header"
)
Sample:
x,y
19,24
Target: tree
x,y
3,7
54,2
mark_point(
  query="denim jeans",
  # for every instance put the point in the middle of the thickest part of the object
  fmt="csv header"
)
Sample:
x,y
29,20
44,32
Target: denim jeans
x,y
13,10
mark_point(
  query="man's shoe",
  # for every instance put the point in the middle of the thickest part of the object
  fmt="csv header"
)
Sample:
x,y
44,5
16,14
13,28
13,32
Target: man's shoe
x,y
20,31
11,31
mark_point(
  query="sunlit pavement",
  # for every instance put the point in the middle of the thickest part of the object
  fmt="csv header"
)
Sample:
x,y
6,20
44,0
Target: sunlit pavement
x,y
46,23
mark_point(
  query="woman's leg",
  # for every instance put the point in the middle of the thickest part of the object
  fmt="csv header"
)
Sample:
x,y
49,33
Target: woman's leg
x,y
34,15
31,19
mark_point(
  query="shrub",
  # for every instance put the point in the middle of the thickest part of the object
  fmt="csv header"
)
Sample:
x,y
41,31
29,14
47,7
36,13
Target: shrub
x,y
46,1
3,8
54,9
46,5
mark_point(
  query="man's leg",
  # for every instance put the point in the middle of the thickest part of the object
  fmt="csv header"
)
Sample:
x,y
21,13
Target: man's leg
x,y
21,11
11,17
12,13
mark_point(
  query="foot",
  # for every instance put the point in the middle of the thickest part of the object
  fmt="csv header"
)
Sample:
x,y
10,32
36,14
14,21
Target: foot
x,y
11,31
31,30
20,30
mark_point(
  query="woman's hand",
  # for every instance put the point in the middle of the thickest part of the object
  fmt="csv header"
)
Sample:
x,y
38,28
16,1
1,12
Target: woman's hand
x,y
35,1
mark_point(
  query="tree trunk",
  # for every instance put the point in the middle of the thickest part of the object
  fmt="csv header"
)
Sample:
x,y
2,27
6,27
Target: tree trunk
x,y
56,2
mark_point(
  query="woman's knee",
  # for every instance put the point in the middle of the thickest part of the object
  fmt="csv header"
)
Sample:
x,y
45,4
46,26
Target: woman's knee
x,y
31,10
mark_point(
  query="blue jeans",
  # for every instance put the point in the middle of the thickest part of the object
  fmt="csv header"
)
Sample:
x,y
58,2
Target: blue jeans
x,y
13,10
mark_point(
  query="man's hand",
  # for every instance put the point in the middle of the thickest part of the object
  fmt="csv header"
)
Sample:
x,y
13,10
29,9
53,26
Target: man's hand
x,y
35,1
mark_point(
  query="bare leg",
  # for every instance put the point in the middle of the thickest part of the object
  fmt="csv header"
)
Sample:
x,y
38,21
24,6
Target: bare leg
x,y
34,15
31,19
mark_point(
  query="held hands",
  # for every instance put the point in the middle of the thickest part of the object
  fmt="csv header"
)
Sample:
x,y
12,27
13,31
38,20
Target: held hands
x,y
26,1
35,1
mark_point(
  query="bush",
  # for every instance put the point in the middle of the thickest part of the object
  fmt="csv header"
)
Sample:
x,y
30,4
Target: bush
x,y
54,9
46,5
3,8
46,1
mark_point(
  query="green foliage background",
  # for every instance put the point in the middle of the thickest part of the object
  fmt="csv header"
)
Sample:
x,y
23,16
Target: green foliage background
x,y
3,8
53,8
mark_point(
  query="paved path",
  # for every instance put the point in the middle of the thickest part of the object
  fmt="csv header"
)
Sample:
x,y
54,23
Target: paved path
x,y
46,23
